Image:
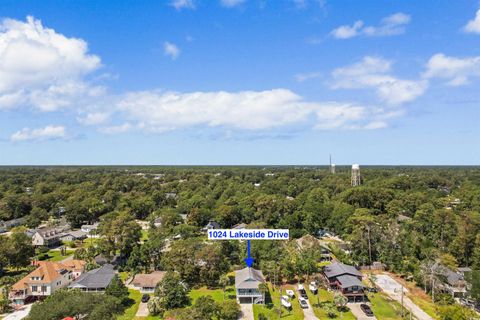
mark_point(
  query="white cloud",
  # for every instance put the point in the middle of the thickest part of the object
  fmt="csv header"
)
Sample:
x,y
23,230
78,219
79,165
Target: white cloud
x,y
117,129
95,118
373,72
183,4
457,71
47,133
42,68
231,3
155,111
473,26
171,50
389,26
301,77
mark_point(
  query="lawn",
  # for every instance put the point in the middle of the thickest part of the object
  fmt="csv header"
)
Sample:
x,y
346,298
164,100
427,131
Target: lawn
x,y
325,296
216,294
270,309
130,312
385,308
55,255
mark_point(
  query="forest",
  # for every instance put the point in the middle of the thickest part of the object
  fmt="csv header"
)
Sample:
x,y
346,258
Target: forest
x,y
407,218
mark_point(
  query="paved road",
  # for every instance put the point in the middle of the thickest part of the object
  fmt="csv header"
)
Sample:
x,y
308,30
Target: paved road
x,y
247,311
308,313
142,310
358,313
20,314
394,290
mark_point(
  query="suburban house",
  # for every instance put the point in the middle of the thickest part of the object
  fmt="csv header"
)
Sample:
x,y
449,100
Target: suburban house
x,y
90,229
239,226
7,225
246,285
211,225
146,283
96,280
73,235
48,237
45,280
346,279
453,282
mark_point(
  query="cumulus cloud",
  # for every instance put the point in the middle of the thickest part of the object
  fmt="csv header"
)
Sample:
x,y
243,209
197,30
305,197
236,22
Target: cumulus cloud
x,y
183,4
389,26
95,118
457,71
42,68
473,26
374,72
231,3
156,111
171,50
47,133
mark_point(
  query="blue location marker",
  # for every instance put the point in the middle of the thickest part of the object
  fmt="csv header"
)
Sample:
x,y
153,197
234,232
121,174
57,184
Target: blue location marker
x,y
249,260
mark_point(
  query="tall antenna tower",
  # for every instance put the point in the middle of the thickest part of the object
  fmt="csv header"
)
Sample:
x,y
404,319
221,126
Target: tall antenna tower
x,y
332,166
356,179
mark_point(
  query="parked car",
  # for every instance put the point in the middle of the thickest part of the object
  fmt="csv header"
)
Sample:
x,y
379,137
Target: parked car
x,y
145,298
285,300
366,309
372,289
313,287
302,292
303,303
290,293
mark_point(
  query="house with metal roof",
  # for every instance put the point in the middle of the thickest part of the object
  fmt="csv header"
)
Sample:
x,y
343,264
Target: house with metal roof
x,y
246,285
96,280
346,279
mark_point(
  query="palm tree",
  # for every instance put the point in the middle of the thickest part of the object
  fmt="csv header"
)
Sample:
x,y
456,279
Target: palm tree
x,y
340,301
263,288
224,282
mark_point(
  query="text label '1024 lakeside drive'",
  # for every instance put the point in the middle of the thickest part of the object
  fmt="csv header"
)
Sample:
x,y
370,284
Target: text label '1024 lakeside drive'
x,y
248,234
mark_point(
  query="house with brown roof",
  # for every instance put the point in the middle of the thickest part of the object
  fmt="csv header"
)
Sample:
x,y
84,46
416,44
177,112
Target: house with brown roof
x,y
45,280
146,283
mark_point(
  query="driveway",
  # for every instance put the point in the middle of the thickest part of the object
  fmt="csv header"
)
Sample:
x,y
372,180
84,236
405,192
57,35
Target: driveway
x,y
394,290
357,312
142,310
308,313
247,311
20,314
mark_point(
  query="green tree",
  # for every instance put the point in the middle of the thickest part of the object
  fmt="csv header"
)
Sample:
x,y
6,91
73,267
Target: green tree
x,y
117,289
172,292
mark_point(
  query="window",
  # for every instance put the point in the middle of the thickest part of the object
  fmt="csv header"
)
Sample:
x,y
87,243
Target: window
x,y
34,288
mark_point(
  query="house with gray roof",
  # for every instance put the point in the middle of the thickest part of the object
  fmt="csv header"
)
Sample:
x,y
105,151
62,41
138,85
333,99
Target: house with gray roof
x,y
346,279
246,285
96,280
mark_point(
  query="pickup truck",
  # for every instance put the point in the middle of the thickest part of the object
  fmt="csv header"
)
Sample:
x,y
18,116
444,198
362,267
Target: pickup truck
x,y
302,292
313,287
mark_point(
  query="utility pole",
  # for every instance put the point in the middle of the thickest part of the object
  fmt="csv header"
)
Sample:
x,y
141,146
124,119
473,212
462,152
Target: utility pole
x,y
402,301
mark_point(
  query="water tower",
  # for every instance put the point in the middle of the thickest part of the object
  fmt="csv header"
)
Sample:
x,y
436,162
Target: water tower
x,y
332,166
356,180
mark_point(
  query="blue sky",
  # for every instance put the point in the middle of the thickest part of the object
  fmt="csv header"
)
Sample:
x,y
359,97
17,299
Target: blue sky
x,y
239,82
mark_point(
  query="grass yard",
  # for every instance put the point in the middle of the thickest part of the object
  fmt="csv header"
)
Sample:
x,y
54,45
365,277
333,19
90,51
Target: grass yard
x,y
216,294
325,296
130,312
54,255
385,308
273,303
